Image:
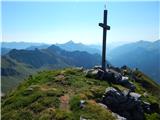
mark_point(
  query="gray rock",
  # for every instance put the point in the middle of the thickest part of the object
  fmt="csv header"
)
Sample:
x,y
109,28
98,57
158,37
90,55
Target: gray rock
x,y
82,118
82,103
118,117
97,67
28,91
92,73
111,76
127,84
80,68
128,106
136,96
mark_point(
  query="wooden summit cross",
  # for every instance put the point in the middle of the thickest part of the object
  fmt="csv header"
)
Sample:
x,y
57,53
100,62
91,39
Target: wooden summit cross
x,y
105,28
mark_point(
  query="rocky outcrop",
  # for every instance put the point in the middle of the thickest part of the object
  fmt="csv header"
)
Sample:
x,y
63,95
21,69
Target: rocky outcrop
x,y
128,105
111,76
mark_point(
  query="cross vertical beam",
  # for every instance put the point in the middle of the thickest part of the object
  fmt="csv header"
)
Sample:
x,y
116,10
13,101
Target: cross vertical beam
x,y
105,28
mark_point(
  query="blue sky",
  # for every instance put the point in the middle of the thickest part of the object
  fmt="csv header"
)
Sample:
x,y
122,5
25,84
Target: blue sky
x,y
59,22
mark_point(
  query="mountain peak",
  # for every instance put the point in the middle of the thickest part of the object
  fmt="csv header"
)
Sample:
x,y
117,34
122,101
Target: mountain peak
x,y
70,42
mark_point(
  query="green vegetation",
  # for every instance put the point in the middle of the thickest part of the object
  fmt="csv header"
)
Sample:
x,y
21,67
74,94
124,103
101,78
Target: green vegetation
x,y
13,73
144,83
56,95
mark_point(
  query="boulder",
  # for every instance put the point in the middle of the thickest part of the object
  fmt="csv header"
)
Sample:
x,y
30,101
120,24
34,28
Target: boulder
x,y
103,75
124,81
97,67
118,117
99,74
136,96
91,73
128,106
128,85
80,68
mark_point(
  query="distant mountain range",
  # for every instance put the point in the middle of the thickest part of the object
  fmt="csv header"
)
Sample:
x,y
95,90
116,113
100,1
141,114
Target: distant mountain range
x,y
68,46
17,64
54,55
19,45
8,46
44,46
142,54
71,46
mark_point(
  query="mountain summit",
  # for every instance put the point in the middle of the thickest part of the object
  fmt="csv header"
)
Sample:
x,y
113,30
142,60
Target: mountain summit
x,y
75,93
70,42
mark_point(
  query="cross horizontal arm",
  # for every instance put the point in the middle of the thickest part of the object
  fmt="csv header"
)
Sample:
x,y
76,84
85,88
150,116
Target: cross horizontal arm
x,y
104,26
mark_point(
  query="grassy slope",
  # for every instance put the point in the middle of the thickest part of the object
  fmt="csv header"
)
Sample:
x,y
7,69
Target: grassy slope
x,y
56,95
24,70
14,80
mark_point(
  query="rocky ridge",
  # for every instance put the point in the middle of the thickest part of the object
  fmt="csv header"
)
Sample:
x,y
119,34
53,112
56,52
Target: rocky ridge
x,y
76,93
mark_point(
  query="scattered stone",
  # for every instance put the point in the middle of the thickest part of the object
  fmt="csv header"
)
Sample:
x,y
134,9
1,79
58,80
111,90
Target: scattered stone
x,y
82,103
97,67
102,105
28,91
118,117
81,118
34,86
92,73
60,77
124,78
80,68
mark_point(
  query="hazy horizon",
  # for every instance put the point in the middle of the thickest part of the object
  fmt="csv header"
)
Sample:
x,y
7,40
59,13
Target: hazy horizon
x,y
59,22
77,42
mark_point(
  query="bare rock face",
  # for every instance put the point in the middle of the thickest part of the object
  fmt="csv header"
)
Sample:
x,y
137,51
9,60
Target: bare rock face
x,y
125,105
